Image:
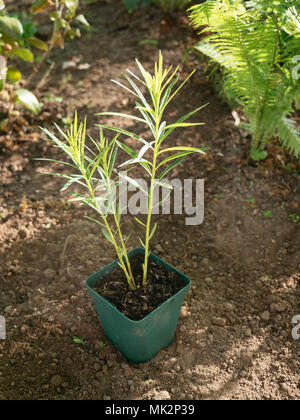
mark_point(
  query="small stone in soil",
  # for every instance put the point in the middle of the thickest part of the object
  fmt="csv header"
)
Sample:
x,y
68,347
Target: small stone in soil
x,y
220,322
248,333
184,312
56,381
49,274
265,316
158,248
228,307
162,395
277,307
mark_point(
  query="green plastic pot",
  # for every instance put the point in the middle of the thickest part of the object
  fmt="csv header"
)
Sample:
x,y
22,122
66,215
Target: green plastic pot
x,y
141,340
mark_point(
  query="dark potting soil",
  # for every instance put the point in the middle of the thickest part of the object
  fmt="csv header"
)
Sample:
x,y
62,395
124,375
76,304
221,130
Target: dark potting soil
x,y
161,285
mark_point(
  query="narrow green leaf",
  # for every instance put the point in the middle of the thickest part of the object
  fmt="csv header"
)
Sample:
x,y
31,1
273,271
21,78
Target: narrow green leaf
x,y
167,95
176,125
182,149
135,76
153,231
142,243
161,130
57,161
112,161
176,156
94,164
170,167
94,220
59,143
121,115
121,131
73,178
61,132
127,149
145,74
124,87
140,222
180,87
132,182
68,184
137,90
148,110
182,119
144,149
128,162
147,117
107,236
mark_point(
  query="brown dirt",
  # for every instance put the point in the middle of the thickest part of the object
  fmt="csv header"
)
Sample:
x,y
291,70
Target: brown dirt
x,y
234,337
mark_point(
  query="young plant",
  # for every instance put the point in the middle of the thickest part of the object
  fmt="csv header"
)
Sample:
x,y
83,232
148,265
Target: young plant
x,y
255,43
97,167
161,88
94,172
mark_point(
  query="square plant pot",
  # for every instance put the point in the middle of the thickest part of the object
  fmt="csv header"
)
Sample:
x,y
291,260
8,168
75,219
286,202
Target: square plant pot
x,y
141,340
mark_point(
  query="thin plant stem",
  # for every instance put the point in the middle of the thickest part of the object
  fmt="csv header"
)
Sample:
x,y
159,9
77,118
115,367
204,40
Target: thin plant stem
x,y
150,203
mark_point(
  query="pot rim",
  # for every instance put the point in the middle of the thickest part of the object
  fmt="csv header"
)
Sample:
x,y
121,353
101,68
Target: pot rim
x,y
93,293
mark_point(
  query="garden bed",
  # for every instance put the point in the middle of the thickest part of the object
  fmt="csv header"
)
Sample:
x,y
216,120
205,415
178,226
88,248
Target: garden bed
x,y
234,337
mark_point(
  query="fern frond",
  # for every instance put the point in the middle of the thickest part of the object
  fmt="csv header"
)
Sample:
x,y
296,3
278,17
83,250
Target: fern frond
x,y
248,46
202,13
212,12
288,135
246,50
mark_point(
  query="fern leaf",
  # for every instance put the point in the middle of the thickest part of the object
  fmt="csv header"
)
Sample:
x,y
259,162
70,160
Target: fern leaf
x,y
288,135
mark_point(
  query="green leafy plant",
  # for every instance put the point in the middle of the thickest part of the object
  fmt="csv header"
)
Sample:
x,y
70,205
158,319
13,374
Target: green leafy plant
x,y
254,46
295,218
98,167
95,171
18,41
78,340
268,214
17,38
101,344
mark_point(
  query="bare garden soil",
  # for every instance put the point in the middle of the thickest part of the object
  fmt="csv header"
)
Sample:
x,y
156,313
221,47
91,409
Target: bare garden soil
x,y
234,338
